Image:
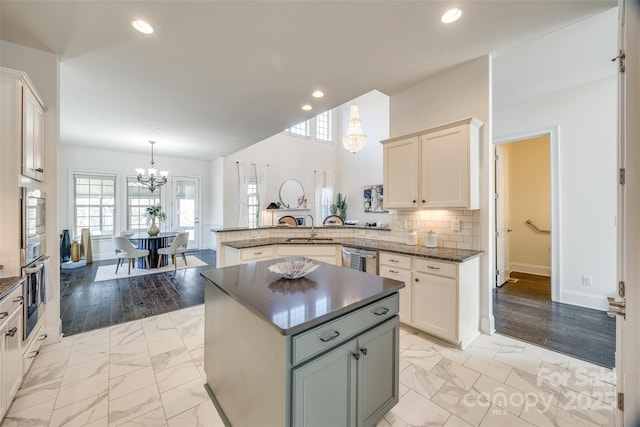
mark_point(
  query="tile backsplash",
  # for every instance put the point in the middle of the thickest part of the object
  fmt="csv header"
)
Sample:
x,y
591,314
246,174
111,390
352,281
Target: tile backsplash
x,y
468,237
440,221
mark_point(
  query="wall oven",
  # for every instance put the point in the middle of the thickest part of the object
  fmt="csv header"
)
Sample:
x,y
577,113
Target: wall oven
x,y
33,225
32,255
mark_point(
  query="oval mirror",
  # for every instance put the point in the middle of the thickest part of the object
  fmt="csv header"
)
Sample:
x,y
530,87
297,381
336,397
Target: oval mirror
x,y
291,194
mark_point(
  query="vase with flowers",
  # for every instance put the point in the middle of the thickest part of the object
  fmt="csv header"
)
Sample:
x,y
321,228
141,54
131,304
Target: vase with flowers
x,y
153,212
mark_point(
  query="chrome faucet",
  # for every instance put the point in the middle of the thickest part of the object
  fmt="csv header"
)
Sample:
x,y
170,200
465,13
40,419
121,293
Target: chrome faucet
x,y
313,227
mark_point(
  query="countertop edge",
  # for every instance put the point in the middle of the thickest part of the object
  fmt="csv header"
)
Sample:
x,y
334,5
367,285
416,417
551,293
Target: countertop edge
x,y
409,251
303,327
5,292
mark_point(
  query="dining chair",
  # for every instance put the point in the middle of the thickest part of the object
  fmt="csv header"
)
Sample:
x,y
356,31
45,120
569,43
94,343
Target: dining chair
x,y
126,250
178,246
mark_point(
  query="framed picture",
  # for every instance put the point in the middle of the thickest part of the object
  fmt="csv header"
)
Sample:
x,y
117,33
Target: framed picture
x,y
373,198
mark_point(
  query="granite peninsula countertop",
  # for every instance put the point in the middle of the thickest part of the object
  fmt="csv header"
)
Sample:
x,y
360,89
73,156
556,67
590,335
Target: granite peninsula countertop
x,y
443,254
293,306
7,284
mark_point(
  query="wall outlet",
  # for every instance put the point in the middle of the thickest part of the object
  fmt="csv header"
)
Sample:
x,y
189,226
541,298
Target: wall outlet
x,y
587,280
455,224
404,225
416,224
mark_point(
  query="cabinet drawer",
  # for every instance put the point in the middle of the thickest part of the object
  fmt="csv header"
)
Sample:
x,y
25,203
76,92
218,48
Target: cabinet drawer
x,y
10,302
395,260
435,267
308,251
397,273
328,335
257,253
34,348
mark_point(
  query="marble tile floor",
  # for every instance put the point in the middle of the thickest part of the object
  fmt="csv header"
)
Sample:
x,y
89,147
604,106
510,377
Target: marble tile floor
x,y
149,372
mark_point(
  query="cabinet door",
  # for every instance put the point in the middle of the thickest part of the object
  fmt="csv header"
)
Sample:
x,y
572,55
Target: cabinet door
x,y
435,305
32,136
445,168
11,357
402,275
400,174
378,372
324,390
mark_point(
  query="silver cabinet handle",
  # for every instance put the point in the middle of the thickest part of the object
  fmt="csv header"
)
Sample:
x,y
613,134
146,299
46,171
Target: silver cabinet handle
x,y
364,351
380,311
43,337
257,253
39,170
12,331
356,356
333,336
19,299
35,353
393,260
4,315
394,271
433,268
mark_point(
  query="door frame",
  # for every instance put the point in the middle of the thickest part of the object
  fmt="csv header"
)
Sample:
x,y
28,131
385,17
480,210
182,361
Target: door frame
x,y
174,208
554,157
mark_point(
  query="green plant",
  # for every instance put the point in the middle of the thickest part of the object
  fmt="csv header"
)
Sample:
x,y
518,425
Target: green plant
x,y
339,207
155,211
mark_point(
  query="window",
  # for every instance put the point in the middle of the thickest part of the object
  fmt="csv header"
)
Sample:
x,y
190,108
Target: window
x,y
94,200
301,129
253,202
323,126
138,198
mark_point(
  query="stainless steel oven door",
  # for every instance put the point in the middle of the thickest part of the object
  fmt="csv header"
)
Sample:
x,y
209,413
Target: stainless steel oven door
x,y
33,224
34,295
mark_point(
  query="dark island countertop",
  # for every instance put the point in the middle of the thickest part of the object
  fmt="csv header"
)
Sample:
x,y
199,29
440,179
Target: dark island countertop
x,y
8,284
293,306
443,254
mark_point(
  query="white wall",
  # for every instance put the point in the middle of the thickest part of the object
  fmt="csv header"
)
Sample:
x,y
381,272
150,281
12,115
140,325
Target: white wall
x,y
364,167
293,157
585,115
458,93
94,160
586,120
43,69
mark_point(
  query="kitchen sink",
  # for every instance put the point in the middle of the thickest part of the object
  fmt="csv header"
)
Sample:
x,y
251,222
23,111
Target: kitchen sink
x,y
309,240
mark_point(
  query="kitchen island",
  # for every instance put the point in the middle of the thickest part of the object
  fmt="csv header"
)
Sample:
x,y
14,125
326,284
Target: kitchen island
x,y
320,350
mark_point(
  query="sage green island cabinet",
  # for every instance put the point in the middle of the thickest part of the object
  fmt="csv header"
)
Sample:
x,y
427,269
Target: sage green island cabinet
x,y
317,351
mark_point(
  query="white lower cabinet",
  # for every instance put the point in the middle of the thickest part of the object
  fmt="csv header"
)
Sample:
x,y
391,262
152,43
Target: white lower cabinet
x,y
323,253
398,267
434,305
10,354
352,385
440,298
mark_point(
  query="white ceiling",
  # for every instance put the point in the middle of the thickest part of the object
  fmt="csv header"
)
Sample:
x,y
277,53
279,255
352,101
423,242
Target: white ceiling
x,y
217,76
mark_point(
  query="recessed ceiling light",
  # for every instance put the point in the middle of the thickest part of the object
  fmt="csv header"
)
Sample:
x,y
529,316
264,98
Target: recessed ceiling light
x,y
307,107
142,26
451,15
318,94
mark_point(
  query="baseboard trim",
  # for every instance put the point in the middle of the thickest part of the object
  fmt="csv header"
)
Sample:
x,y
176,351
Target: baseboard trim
x,y
539,270
583,299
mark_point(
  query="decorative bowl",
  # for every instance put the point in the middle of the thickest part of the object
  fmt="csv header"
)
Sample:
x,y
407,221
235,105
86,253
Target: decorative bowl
x,y
293,269
127,233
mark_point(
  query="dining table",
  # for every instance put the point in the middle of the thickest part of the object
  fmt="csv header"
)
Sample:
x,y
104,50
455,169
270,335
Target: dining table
x,y
152,244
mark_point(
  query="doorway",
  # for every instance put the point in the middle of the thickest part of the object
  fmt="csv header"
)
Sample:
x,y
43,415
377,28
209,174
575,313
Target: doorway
x,y
185,212
523,213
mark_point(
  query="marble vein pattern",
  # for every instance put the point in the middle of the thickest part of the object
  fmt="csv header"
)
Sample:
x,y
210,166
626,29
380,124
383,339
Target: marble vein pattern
x,y
149,373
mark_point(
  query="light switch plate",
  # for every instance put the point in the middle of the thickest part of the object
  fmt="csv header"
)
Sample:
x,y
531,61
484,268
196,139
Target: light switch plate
x,y
455,224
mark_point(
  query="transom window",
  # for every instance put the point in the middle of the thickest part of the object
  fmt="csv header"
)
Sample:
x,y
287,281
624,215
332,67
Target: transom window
x,y
323,126
138,199
94,204
301,129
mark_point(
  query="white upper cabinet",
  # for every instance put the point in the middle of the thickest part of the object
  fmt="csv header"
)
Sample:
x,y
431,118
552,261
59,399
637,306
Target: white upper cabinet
x,y
436,168
401,165
32,135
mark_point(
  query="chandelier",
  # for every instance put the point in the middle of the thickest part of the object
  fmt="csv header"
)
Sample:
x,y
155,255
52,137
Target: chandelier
x,y
148,177
354,140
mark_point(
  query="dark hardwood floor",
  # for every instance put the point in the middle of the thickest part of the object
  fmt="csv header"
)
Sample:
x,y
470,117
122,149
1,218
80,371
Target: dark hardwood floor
x,y
87,305
524,311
